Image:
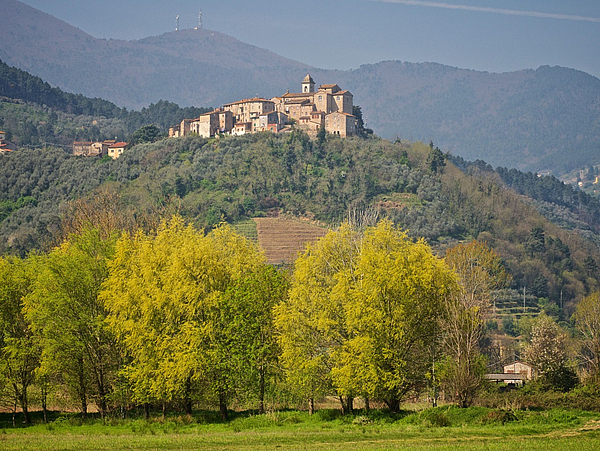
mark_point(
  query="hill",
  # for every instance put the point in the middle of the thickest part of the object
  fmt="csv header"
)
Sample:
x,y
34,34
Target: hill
x,y
33,113
45,194
535,120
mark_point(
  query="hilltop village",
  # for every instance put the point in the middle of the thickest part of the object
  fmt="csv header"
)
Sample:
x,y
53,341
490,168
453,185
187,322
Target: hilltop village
x,y
329,107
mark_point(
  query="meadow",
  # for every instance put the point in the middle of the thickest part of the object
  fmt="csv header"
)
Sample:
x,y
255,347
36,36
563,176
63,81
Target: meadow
x,y
441,428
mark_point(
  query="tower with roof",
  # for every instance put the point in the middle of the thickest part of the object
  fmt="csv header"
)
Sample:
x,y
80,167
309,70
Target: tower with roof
x,y
308,84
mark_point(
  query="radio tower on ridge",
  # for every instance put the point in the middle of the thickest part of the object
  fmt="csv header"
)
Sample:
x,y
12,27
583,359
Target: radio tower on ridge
x,y
177,22
200,20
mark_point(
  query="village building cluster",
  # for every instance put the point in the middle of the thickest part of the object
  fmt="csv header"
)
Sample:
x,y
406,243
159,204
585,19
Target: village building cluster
x,y
329,107
110,147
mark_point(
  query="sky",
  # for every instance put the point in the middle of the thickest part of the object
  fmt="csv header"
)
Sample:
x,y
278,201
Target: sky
x,y
487,35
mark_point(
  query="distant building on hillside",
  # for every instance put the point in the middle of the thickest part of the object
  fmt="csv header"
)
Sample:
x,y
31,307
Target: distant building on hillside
x,y
116,150
97,148
330,107
6,146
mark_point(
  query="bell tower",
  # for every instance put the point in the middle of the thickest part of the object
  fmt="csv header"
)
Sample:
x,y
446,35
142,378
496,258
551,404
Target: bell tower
x,y
308,84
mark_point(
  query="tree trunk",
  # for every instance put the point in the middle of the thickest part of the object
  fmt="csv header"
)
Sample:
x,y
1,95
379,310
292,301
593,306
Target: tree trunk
x,y
102,394
188,395
261,394
311,406
164,410
393,404
24,406
367,404
347,404
14,413
146,411
223,407
82,390
44,402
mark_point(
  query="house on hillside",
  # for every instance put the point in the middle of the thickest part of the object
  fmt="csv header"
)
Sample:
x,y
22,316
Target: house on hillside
x,y
6,146
92,148
116,150
329,107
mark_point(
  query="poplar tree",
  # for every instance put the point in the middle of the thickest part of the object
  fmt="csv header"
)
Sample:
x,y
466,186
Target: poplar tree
x,y
19,348
363,307
165,295
65,311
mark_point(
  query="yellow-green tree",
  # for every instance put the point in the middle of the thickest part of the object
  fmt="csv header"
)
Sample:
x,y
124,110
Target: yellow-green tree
x,y
165,294
393,311
66,313
480,271
361,310
312,321
19,349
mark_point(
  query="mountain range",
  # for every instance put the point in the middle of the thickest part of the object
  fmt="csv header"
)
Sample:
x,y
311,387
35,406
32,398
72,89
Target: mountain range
x,y
547,119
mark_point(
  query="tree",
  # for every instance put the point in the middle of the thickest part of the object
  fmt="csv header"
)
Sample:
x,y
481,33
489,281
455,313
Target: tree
x,y
480,271
401,289
146,134
19,349
246,333
361,311
66,312
361,130
436,160
165,295
536,242
310,321
546,352
587,322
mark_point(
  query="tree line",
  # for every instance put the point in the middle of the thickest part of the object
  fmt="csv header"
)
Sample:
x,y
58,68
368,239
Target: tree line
x,y
173,318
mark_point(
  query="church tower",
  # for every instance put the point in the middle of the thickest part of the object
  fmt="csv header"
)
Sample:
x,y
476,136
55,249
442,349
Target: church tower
x,y
308,84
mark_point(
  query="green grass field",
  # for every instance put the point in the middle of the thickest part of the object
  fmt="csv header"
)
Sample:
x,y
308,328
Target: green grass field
x,y
443,428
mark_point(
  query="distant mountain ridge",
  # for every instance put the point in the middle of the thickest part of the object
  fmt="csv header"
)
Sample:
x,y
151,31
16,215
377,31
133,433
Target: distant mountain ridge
x,y
544,119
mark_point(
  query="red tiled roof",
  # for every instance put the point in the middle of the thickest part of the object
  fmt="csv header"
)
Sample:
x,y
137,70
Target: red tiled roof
x,y
118,145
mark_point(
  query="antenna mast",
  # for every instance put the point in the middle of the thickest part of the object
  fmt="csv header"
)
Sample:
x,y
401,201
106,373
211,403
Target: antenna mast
x,y
200,20
177,22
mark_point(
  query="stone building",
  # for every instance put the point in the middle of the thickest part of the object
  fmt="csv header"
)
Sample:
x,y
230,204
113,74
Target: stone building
x,y
329,107
115,150
91,148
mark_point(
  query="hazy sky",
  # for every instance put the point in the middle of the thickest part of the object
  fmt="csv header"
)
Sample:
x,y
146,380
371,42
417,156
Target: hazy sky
x,y
490,35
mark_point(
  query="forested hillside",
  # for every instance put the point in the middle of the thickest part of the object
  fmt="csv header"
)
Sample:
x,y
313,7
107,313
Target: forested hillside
x,y
233,179
34,114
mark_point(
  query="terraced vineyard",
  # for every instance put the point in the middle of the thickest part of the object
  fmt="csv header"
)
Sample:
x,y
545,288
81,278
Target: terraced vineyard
x,y
511,303
282,239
